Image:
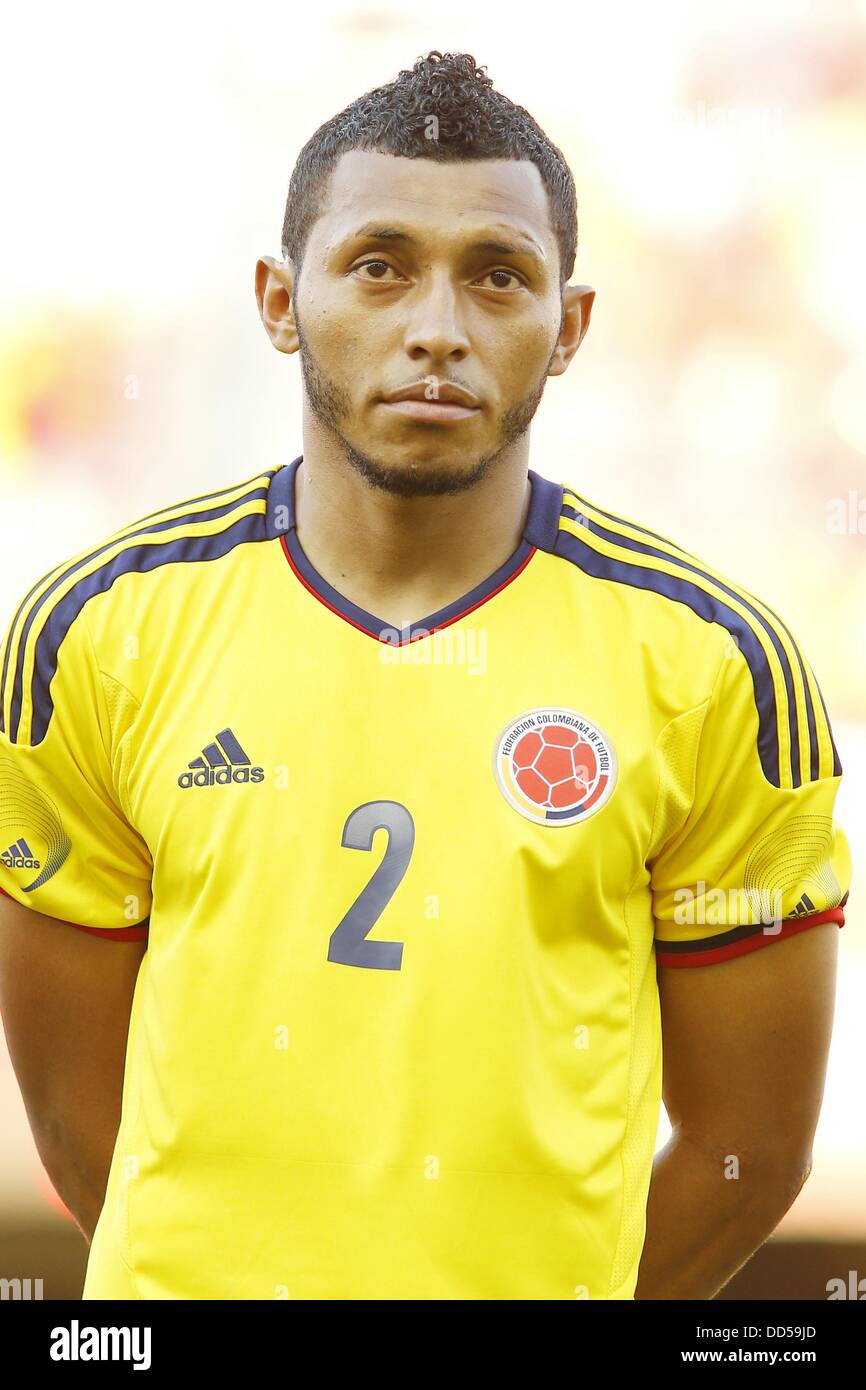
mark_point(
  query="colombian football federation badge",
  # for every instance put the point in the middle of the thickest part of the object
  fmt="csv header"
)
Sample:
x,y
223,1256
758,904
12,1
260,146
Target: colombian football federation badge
x,y
554,766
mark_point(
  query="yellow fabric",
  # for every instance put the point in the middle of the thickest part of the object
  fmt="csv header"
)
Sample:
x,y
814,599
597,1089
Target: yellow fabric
x,y
470,1112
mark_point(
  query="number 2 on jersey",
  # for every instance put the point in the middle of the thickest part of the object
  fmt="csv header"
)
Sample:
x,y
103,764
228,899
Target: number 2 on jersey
x,y
349,944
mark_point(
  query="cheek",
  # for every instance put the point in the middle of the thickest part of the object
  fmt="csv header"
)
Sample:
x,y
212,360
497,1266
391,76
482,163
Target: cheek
x,y
541,340
330,331
339,347
350,363
337,343
526,354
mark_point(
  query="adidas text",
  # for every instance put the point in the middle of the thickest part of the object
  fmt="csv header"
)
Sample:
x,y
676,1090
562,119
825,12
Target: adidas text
x,y
220,776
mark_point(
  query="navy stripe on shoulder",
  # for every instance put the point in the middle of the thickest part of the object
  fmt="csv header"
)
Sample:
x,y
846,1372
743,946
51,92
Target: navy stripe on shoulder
x,y
206,496
711,610
837,761
752,645
10,636
63,571
568,510
139,558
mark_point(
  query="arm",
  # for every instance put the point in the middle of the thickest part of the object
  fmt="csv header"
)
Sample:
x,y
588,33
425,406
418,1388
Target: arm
x,y
745,1047
65,998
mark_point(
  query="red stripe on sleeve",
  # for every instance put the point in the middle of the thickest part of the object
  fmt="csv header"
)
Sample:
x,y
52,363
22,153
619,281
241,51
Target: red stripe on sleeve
x,y
679,960
138,932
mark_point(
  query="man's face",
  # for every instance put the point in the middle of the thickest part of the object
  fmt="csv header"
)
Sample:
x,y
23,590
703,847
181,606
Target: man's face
x,y
445,274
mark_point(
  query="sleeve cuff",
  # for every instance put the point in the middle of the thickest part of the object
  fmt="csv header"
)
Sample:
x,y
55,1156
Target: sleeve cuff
x,y
738,941
137,932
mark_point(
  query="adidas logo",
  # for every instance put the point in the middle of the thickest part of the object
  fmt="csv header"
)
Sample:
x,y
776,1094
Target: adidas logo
x,y
804,906
221,763
19,856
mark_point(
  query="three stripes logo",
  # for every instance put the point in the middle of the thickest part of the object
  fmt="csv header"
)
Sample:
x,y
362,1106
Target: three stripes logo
x,y
19,856
221,764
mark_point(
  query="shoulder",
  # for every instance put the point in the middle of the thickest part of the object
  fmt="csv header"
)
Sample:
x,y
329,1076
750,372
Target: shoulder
x,y
743,646
619,552
625,556
146,559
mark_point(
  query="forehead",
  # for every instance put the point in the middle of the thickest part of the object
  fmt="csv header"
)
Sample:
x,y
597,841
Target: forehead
x,y
435,197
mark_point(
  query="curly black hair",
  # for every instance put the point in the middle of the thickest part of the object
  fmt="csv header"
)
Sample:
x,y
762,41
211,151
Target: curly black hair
x,y
472,121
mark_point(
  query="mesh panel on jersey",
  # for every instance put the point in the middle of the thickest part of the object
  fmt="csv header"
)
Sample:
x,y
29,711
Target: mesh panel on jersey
x,y
677,754
122,708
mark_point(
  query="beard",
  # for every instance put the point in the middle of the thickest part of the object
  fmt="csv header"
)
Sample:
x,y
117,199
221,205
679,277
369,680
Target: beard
x,y
331,404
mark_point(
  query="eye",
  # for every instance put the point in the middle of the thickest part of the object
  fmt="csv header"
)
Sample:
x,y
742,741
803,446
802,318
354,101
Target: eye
x,y
380,267
506,274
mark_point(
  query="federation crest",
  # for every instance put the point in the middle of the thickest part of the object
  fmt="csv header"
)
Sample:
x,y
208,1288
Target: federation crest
x,y
554,766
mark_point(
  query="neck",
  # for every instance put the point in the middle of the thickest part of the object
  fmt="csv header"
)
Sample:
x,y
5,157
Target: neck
x,y
404,557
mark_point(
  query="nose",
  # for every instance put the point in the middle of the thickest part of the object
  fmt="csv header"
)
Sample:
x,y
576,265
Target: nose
x,y
435,329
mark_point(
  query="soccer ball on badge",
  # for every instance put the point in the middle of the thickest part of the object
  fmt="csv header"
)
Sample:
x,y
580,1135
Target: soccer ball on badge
x,y
554,766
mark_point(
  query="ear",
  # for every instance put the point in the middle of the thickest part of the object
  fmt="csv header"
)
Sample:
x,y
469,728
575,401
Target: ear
x,y
274,282
577,303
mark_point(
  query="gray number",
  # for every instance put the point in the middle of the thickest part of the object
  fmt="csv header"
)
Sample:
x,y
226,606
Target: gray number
x,y
349,944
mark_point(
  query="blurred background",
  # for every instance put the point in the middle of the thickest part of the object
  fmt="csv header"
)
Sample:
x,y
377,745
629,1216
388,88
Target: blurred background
x,y
719,151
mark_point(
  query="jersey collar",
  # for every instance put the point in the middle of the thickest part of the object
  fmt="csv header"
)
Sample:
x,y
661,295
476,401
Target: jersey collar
x,y
539,533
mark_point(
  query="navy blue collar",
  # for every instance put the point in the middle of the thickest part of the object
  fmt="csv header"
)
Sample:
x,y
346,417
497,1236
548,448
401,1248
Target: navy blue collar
x,y
539,533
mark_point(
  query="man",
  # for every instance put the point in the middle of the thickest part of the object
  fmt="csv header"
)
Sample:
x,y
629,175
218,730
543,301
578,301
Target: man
x,y
396,770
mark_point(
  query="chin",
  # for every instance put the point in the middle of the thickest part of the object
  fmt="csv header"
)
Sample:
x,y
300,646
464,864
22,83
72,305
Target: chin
x,y
404,474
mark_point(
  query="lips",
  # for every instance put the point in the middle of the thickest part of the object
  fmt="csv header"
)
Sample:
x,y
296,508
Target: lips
x,y
434,393
433,403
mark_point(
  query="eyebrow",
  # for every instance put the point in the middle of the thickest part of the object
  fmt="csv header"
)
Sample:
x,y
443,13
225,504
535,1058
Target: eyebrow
x,y
378,233
372,231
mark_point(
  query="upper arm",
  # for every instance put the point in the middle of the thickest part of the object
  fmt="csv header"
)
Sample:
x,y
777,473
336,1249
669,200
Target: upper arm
x,y
745,1046
748,851
65,998
749,885
69,854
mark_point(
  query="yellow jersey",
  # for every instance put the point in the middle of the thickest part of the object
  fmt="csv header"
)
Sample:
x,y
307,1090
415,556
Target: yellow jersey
x,y
396,1031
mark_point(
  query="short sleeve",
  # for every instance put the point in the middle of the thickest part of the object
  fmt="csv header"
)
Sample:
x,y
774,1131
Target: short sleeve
x,y
758,855
67,848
